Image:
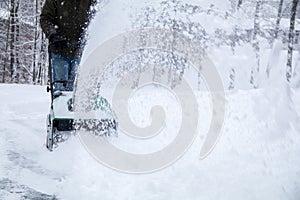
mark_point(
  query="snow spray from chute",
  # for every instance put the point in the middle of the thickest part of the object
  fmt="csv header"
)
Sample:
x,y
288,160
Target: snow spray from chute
x,y
161,40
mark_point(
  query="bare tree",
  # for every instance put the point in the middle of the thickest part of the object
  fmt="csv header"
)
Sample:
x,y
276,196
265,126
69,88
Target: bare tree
x,y
291,41
35,43
5,56
255,44
279,15
12,25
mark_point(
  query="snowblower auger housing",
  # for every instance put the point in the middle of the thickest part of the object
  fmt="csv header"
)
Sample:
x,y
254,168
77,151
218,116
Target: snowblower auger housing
x,y
61,123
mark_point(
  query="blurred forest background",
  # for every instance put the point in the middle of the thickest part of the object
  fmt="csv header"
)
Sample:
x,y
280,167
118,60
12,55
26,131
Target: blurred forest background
x,y
23,47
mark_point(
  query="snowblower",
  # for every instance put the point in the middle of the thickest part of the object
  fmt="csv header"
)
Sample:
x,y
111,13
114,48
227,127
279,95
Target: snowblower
x,y
61,123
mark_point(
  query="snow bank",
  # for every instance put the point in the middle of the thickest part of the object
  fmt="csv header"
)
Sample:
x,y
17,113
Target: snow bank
x,y
257,156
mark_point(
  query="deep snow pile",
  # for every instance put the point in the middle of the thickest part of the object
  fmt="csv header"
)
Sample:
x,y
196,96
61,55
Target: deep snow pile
x,y
257,156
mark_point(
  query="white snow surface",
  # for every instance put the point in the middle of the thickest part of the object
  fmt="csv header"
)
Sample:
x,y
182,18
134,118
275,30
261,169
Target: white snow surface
x,y
257,156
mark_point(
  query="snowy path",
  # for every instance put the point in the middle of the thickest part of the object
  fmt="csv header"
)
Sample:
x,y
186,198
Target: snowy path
x,y
257,156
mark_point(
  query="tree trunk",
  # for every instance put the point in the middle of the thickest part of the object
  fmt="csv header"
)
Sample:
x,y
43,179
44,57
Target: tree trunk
x,y
17,40
289,69
7,44
35,44
279,15
12,39
255,44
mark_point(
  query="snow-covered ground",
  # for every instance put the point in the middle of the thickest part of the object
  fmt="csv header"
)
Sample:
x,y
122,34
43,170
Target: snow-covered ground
x,y
257,156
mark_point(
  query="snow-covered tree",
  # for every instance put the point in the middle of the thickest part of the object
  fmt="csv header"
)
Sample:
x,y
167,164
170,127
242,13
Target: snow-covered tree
x,y
22,54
